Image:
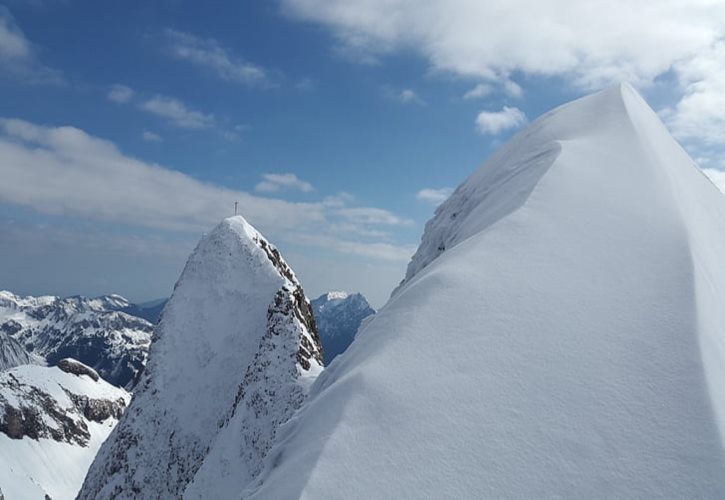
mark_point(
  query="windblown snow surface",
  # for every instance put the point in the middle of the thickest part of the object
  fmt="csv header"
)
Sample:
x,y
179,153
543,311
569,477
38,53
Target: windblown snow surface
x,y
232,358
560,333
51,426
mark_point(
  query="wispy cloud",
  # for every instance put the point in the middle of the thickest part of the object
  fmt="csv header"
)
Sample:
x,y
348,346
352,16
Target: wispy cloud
x,y
149,136
63,171
209,54
482,90
120,94
479,91
273,183
495,122
434,196
403,96
18,57
177,113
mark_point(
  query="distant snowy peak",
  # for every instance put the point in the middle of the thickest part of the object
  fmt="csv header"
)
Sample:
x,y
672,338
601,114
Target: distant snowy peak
x,y
93,330
234,355
336,295
52,422
339,315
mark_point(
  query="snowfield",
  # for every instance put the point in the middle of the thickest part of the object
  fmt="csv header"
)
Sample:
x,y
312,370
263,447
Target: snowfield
x,y
559,333
70,407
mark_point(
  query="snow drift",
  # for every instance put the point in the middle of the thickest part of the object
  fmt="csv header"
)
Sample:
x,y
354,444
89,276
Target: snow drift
x,y
232,358
559,333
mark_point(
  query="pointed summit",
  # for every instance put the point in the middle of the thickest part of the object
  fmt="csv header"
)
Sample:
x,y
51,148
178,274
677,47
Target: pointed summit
x,y
559,333
232,358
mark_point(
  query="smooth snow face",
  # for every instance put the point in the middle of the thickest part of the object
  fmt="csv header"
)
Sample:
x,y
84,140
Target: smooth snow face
x,y
238,323
560,334
93,330
52,424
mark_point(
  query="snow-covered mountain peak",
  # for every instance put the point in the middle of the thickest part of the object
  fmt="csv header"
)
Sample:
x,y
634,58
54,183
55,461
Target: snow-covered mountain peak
x,y
232,358
503,184
559,333
337,295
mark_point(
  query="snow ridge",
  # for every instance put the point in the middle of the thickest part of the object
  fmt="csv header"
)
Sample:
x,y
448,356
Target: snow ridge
x,y
232,358
559,333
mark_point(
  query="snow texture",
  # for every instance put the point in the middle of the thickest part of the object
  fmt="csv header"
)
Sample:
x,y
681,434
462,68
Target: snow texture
x,y
51,426
232,358
92,330
560,333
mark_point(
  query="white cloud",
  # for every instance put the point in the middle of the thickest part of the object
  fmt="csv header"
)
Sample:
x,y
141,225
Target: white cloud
x,y
494,122
434,196
120,94
373,216
63,171
513,89
482,90
149,136
595,41
591,44
700,114
404,96
479,91
273,183
13,44
409,96
17,54
177,113
211,55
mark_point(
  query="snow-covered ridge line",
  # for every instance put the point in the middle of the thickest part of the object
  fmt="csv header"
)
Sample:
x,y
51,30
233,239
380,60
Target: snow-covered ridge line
x,y
560,333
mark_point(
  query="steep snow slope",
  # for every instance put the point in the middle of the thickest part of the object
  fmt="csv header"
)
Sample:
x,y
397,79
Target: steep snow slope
x,y
232,358
338,316
51,426
560,333
92,330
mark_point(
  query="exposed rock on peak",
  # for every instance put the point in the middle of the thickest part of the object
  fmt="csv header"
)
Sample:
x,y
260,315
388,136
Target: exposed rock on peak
x,y
70,365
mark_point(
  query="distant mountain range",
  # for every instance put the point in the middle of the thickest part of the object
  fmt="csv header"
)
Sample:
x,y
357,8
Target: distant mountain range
x,y
338,316
95,331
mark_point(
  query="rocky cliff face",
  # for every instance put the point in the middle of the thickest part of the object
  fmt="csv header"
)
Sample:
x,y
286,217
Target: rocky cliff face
x,y
232,359
52,422
94,331
13,353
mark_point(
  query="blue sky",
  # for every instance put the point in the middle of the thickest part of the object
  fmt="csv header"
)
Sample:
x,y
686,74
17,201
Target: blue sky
x,y
129,129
